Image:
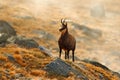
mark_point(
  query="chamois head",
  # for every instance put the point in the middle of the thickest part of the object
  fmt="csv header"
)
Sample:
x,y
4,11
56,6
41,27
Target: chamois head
x,y
64,26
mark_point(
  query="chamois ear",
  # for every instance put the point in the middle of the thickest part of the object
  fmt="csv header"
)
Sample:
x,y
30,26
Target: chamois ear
x,y
62,21
65,23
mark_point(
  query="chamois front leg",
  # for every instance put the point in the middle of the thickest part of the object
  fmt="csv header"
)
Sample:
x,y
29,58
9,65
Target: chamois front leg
x,y
60,53
73,55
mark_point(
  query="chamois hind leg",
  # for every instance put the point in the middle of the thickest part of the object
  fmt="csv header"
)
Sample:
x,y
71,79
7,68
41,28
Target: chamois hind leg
x,y
65,54
68,54
73,55
60,53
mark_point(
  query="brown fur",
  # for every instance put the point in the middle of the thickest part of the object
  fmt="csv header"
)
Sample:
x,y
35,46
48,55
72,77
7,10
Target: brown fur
x,y
66,41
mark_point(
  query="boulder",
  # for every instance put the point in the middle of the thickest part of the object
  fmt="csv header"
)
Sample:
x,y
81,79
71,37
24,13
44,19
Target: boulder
x,y
96,64
6,31
6,28
59,67
26,42
44,35
83,70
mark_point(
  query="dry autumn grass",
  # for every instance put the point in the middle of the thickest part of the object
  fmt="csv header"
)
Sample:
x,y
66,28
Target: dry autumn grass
x,y
31,65
26,62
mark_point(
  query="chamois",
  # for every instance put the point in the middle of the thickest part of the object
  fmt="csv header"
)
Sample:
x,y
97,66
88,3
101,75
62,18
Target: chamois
x,y
66,41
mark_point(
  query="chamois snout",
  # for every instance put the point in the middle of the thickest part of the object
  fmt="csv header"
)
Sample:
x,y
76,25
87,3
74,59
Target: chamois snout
x,y
66,41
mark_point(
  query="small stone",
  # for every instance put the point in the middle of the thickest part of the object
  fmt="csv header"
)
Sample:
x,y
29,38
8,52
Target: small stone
x,y
0,75
18,75
10,58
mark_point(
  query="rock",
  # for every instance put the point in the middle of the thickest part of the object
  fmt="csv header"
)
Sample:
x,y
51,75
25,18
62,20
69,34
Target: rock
x,y
83,70
25,42
50,37
10,58
11,39
6,31
59,67
6,28
101,77
0,75
83,39
2,44
88,32
24,17
45,50
100,73
7,71
95,34
44,35
18,75
23,78
98,10
3,39
116,73
53,22
96,64
22,13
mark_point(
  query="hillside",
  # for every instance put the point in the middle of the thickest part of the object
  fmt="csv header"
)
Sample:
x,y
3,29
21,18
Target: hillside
x,y
97,35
